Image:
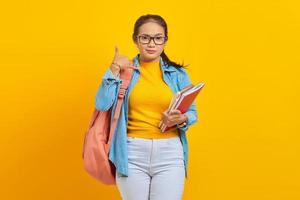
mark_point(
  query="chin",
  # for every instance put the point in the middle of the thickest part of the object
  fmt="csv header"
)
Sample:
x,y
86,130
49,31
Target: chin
x,y
151,56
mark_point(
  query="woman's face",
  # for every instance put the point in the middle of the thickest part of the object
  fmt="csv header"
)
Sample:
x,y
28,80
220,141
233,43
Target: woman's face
x,y
150,52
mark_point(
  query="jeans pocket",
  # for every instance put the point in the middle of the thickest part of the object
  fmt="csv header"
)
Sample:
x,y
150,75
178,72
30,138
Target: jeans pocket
x,y
175,143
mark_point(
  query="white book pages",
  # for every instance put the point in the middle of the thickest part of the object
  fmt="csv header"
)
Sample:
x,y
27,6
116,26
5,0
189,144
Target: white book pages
x,y
187,92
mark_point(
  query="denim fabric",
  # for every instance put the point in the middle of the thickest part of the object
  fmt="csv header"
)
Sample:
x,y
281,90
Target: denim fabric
x,y
155,170
107,94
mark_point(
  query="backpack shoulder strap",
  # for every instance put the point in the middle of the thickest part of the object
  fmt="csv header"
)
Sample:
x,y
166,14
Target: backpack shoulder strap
x,y
125,76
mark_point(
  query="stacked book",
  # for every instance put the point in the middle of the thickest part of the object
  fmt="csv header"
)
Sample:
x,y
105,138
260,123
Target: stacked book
x,y
182,100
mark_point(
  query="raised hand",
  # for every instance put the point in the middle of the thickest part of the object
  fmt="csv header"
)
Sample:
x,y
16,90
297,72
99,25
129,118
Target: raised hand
x,y
120,62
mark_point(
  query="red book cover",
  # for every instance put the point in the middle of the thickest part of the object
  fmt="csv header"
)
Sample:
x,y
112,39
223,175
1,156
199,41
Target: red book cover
x,y
183,102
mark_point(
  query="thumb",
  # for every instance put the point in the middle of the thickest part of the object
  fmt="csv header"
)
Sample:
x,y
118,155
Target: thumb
x,y
176,111
116,51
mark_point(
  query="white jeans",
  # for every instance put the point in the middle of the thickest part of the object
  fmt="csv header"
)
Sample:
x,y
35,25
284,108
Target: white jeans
x,y
155,170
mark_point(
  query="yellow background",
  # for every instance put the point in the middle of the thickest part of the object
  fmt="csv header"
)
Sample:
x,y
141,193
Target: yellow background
x,y
245,145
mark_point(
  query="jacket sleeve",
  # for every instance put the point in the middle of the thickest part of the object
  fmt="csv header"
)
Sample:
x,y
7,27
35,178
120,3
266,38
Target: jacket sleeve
x,y
191,113
107,91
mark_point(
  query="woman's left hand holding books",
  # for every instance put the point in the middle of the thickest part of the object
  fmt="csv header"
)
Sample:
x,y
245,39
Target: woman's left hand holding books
x,y
175,117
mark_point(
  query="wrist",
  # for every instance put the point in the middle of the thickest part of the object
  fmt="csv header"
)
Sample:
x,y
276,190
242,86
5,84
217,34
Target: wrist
x,y
116,69
116,64
185,119
183,123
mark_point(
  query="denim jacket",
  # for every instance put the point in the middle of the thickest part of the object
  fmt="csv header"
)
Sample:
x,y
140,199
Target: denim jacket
x,y
107,94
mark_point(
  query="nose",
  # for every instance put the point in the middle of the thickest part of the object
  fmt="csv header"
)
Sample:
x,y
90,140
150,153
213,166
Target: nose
x,y
151,42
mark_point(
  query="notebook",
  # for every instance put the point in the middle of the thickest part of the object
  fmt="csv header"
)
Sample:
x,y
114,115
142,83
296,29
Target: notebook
x,y
182,101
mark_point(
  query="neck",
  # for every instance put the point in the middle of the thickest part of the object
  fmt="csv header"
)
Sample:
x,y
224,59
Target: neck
x,y
147,60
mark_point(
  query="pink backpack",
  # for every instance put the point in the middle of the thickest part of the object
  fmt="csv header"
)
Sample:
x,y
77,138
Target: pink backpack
x,y
97,139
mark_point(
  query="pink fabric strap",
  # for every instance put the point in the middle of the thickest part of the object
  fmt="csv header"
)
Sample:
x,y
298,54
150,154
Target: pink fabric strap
x,y
125,76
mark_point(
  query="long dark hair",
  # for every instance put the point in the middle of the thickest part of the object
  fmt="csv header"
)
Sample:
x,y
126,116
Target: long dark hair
x,y
159,20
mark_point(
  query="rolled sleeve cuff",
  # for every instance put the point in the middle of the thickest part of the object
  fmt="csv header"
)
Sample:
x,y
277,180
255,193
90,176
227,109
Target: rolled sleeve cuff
x,y
110,77
190,120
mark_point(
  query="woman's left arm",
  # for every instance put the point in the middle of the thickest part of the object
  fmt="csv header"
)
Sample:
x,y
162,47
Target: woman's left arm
x,y
191,113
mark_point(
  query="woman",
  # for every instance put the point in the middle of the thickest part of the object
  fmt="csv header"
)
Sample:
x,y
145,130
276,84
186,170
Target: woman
x,y
149,164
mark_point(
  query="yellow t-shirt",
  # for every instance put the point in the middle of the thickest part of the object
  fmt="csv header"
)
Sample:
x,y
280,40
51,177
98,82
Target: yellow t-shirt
x,y
149,98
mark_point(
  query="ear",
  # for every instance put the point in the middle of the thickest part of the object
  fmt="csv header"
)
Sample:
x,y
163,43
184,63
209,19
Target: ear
x,y
136,44
135,41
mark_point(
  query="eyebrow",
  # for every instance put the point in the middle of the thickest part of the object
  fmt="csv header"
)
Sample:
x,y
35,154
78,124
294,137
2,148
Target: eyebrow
x,y
150,35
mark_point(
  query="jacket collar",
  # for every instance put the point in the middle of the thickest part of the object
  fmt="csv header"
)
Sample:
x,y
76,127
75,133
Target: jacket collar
x,y
164,66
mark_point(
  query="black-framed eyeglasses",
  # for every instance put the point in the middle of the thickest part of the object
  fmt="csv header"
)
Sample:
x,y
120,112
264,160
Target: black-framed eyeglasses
x,y
146,39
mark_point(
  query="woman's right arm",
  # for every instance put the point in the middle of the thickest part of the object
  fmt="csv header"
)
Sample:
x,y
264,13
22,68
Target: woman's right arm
x,y
107,91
